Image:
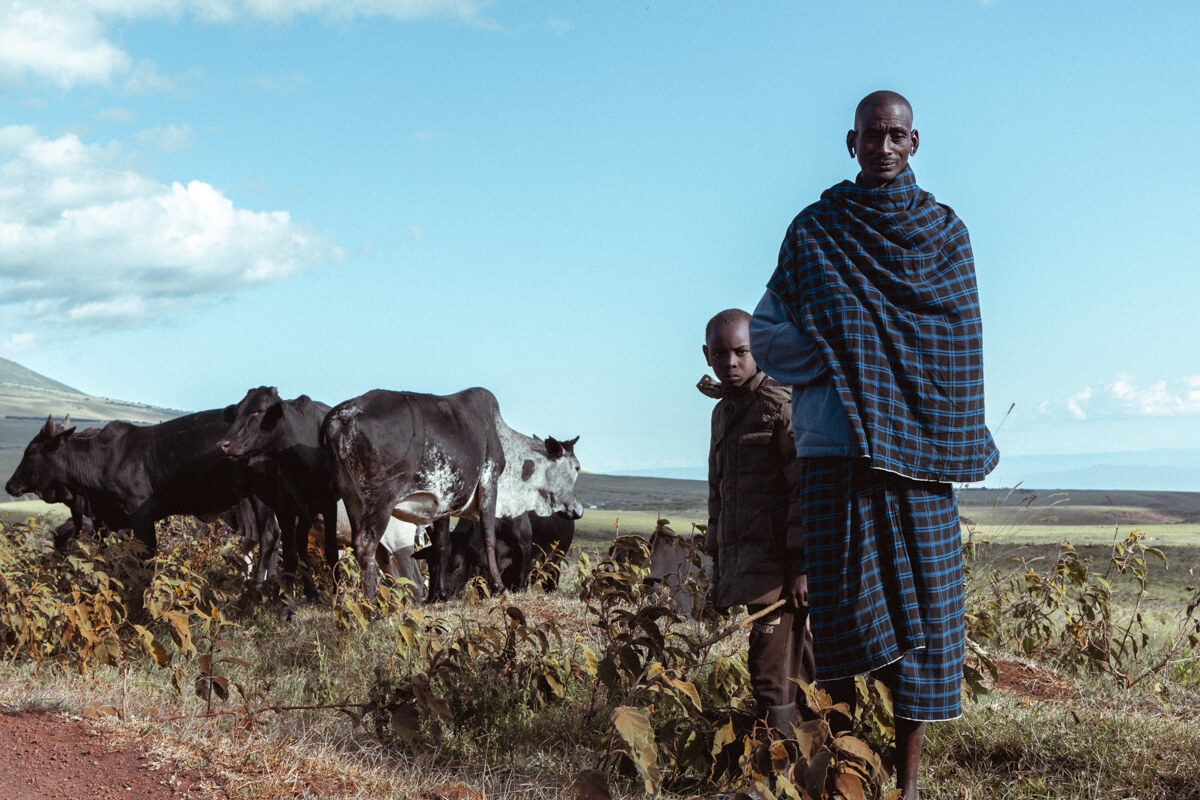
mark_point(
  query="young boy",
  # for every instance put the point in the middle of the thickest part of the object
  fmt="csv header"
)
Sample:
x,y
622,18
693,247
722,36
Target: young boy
x,y
754,533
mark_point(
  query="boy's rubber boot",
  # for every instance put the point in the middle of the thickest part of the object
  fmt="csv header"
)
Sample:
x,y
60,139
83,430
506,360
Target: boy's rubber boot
x,y
781,720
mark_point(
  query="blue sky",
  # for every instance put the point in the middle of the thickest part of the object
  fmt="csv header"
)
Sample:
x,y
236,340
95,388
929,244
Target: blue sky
x,y
550,199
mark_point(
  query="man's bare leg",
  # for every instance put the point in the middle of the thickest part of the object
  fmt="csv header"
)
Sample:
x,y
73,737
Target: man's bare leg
x,y
910,736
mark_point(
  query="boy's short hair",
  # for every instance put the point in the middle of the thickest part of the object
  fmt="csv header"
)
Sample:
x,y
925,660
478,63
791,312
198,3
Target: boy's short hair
x,y
723,318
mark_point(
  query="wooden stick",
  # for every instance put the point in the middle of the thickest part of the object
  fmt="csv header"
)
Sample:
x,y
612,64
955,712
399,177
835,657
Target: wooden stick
x,y
740,624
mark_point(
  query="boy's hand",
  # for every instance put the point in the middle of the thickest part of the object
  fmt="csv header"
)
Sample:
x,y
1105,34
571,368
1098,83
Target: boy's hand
x,y
797,592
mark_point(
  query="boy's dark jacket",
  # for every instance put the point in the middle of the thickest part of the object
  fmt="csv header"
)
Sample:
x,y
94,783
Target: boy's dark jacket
x,y
754,512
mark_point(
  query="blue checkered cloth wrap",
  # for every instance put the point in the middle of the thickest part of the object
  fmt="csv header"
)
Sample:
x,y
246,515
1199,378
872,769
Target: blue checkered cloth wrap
x,y
883,279
885,583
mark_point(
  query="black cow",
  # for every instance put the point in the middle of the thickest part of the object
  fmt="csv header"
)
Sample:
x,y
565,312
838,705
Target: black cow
x,y
468,554
281,441
552,538
424,458
523,543
129,476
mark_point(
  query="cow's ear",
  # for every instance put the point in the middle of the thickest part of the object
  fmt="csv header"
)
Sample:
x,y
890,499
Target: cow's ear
x,y
554,447
425,553
273,415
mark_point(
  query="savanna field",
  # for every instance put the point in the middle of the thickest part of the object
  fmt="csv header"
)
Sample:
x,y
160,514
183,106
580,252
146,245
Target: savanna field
x,y
1082,677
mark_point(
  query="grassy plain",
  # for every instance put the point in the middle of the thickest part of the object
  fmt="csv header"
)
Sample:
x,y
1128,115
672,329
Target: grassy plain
x,y
1090,739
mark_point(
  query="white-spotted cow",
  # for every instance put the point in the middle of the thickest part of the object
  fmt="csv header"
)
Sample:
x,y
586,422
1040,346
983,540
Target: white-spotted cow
x,y
424,458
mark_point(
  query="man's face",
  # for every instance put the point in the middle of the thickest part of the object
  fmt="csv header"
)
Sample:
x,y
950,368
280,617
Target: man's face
x,y
728,353
882,140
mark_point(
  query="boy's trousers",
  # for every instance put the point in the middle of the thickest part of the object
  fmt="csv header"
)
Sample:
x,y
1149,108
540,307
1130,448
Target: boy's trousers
x,y
780,648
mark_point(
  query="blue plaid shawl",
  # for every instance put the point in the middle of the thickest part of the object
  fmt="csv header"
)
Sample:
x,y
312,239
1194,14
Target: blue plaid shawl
x,y
883,279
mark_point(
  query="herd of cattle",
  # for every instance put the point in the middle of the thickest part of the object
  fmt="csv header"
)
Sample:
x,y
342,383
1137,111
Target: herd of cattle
x,y
384,465
280,467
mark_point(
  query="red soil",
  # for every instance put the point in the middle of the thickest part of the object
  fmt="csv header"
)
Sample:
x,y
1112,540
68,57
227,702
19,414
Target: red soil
x,y
48,757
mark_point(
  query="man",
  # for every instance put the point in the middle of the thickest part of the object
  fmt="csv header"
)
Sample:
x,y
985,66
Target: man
x,y
872,315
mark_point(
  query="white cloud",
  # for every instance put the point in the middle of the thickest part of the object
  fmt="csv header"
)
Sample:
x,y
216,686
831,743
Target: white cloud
x,y
1124,398
53,42
67,41
86,244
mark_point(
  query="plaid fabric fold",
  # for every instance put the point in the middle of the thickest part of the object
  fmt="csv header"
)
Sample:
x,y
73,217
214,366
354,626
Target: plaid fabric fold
x,y
885,583
884,281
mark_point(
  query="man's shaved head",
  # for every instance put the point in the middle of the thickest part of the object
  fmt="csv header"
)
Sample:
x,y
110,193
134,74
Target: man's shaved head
x,y
883,137
881,98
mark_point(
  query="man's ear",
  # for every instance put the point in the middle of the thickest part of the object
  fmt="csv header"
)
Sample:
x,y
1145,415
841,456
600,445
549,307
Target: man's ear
x,y
916,141
704,349
850,137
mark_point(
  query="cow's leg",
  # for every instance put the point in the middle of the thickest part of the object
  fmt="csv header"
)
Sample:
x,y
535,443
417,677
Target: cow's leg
x,y
524,552
439,565
406,567
489,542
487,523
143,531
77,521
285,521
252,534
385,563
299,536
371,524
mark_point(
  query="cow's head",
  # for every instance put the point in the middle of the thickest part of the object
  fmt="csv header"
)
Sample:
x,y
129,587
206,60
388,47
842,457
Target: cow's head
x,y
42,467
465,556
554,479
257,420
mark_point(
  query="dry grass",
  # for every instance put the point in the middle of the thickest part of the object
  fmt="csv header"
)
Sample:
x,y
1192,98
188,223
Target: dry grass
x,y
321,753
1106,745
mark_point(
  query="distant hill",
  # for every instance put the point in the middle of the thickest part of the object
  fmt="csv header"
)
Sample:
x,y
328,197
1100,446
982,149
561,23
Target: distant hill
x,y
25,394
12,373
1163,469
1169,470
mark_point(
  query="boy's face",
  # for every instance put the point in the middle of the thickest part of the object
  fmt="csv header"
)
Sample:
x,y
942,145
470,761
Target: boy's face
x,y
728,353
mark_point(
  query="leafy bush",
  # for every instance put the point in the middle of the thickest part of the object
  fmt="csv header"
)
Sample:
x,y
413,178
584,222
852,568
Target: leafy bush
x,y
1066,614
103,602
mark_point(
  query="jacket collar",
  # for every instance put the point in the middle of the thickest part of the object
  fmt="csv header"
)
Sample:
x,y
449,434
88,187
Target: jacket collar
x,y
709,387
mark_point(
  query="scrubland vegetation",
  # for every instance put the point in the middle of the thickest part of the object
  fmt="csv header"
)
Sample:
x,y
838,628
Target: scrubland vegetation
x,y
1083,679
